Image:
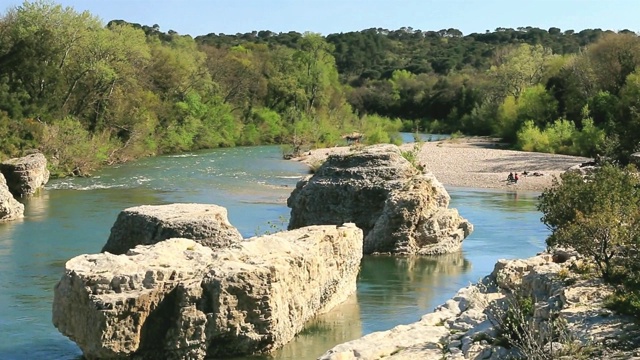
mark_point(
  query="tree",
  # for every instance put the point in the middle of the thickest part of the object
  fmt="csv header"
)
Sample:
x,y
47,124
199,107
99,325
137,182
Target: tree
x,y
520,68
613,58
599,217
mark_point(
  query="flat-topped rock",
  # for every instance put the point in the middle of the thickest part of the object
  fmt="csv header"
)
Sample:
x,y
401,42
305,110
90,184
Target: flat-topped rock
x,y
145,225
25,175
399,208
178,299
10,208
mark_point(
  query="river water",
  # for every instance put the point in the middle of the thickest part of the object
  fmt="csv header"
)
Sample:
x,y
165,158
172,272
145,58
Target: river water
x,y
74,216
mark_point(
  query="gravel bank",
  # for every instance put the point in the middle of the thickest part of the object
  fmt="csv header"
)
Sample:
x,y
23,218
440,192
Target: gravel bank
x,y
478,163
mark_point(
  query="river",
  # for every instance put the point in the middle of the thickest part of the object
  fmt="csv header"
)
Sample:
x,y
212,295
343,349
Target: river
x,y
74,216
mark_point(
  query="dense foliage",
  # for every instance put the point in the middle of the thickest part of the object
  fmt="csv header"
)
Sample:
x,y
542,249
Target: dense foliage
x,y
89,94
542,90
600,218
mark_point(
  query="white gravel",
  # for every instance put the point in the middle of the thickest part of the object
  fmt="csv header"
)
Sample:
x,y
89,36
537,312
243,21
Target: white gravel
x,y
477,162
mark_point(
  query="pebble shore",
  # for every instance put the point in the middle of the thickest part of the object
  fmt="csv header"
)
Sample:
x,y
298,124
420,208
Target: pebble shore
x,y
477,162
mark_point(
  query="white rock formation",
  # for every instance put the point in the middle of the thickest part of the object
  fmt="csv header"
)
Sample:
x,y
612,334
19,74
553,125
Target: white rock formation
x,y
400,209
25,175
10,208
180,300
147,224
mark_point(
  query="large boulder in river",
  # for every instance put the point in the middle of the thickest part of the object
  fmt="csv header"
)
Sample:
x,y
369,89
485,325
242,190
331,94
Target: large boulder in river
x,y
10,208
25,175
400,209
178,299
149,224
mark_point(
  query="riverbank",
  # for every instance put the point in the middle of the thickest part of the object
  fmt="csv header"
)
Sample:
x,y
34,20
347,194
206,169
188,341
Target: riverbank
x,y
477,162
559,313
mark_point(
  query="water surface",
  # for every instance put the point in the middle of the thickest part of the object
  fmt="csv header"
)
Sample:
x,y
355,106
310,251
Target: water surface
x,y
74,216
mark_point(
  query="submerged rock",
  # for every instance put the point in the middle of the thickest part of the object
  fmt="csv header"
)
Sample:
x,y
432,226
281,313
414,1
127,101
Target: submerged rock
x,y
25,175
400,209
10,208
146,225
180,300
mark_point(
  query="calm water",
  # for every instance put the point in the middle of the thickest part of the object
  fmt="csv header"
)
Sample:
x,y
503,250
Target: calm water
x,y
74,216
410,137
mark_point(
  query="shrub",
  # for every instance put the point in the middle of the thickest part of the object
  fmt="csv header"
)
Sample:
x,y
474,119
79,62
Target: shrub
x,y
625,302
533,337
600,218
72,150
530,138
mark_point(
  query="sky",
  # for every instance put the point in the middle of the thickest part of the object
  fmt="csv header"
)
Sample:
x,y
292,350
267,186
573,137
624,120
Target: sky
x,y
201,17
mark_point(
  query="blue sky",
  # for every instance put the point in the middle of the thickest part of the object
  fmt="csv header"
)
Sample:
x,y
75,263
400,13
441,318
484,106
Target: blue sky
x,y
200,17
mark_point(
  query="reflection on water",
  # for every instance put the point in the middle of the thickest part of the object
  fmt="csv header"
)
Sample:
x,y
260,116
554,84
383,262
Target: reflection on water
x,y
397,290
324,332
74,216
391,291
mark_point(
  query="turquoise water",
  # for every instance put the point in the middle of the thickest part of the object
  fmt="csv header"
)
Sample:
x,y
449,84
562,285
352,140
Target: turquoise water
x,y
410,137
74,216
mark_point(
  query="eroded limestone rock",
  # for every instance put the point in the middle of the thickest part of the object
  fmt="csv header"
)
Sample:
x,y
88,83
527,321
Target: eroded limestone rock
x,y
400,209
467,326
25,175
180,300
147,224
10,208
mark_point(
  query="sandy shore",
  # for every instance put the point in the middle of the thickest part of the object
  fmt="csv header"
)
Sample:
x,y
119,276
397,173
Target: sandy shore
x,y
477,163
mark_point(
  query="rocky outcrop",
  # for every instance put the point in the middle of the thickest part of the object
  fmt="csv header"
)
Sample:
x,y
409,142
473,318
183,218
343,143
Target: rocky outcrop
x,y
25,175
10,208
400,209
470,325
146,225
178,299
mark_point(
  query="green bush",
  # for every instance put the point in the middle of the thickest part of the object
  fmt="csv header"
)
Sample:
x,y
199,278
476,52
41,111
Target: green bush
x,y
378,130
625,301
600,217
590,140
530,138
72,150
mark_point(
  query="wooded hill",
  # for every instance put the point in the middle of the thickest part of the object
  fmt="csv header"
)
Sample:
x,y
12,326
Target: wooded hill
x,y
88,94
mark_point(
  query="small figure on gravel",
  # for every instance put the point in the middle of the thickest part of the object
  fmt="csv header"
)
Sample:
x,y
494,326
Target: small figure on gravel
x,y
510,177
515,178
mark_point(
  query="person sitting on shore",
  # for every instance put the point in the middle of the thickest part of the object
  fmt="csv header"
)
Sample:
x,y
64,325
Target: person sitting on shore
x,y
510,177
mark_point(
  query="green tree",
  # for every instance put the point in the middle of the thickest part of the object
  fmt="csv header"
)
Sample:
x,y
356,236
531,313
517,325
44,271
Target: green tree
x,y
613,58
519,68
600,217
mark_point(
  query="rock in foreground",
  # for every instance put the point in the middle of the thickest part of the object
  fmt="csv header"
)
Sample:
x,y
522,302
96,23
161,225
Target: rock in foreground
x,y
10,208
146,225
25,175
400,209
472,324
180,300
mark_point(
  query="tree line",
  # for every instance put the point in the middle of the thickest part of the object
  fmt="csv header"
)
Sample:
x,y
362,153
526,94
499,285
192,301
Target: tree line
x,y
88,94
541,90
